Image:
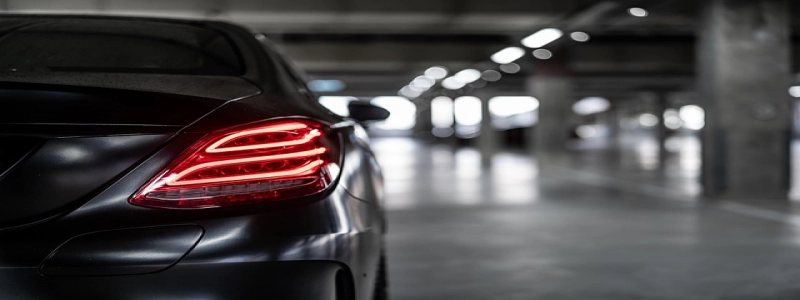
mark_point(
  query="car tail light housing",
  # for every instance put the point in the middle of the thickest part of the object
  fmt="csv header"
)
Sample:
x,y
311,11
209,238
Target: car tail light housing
x,y
259,162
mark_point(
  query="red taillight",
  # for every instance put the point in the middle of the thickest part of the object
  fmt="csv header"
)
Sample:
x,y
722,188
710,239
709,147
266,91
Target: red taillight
x,y
260,162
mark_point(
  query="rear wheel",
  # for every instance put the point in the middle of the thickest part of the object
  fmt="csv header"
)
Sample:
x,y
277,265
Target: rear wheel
x,y
381,281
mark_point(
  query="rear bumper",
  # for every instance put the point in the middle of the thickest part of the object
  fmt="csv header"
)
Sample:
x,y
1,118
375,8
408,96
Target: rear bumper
x,y
250,280
314,251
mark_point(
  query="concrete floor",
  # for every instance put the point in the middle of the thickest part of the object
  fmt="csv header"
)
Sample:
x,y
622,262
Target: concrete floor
x,y
575,228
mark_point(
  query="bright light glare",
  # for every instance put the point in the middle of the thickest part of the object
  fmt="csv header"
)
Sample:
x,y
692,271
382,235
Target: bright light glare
x,y
672,119
436,72
506,106
416,88
452,83
326,85
442,112
795,91
403,113
336,104
468,75
508,55
423,82
586,131
693,116
542,37
410,92
542,54
510,68
579,36
442,132
467,111
638,12
491,75
648,120
591,105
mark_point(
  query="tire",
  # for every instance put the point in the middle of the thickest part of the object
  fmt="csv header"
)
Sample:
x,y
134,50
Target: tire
x,y
381,291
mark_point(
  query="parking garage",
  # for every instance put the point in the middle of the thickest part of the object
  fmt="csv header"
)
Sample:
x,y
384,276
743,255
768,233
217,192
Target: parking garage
x,y
573,149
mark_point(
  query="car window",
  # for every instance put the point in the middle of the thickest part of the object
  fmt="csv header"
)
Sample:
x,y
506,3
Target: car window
x,y
295,74
127,46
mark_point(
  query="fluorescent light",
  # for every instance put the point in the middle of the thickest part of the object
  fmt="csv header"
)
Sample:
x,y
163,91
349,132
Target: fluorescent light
x,y
693,117
491,75
542,37
423,82
586,131
672,119
402,113
468,75
508,55
436,72
795,91
506,106
452,83
409,92
638,12
542,54
467,111
442,112
591,105
579,36
510,68
416,89
648,120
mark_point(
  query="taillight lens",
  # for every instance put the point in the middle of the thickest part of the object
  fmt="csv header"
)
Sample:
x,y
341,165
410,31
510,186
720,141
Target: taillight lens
x,y
269,161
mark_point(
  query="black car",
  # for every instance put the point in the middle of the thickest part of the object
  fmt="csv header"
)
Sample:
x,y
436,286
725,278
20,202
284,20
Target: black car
x,y
173,159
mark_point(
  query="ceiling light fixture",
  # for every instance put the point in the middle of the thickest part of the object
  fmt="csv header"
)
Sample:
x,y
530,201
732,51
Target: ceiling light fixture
x,y
542,37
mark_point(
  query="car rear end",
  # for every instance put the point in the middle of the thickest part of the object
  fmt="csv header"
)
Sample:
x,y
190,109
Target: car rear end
x,y
149,159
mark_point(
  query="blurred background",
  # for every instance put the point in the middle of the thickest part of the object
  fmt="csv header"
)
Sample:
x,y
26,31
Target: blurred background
x,y
558,149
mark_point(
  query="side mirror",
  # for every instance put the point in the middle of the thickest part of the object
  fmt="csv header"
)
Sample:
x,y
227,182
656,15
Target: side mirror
x,y
364,111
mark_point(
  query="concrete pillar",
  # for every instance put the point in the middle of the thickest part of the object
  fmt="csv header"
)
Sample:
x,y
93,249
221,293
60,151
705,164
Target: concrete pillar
x,y
743,76
622,109
423,126
552,85
549,136
612,121
488,140
661,128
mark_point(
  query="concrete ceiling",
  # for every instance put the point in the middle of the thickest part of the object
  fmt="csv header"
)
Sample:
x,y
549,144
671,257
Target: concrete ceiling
x,y
376,47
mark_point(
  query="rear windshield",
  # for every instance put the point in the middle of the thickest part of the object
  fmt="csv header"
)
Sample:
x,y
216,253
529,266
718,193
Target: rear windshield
x,y
119,46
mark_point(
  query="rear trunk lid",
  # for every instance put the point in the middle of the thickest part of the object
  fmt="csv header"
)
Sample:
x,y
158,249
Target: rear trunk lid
x,y
60,145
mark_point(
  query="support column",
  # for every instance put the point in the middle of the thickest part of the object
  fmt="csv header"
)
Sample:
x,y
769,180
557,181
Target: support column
x,y
552,85
549,136
744,72
612,121
423,125
488,140
661,129
622,108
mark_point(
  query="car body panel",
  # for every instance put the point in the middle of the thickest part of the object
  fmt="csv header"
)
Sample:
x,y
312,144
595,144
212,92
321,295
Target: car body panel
x,y
222,88
70,168
321,246
260,280
122,252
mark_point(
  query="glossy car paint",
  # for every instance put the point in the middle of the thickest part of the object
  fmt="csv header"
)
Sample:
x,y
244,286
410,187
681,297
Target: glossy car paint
x,y
93,140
